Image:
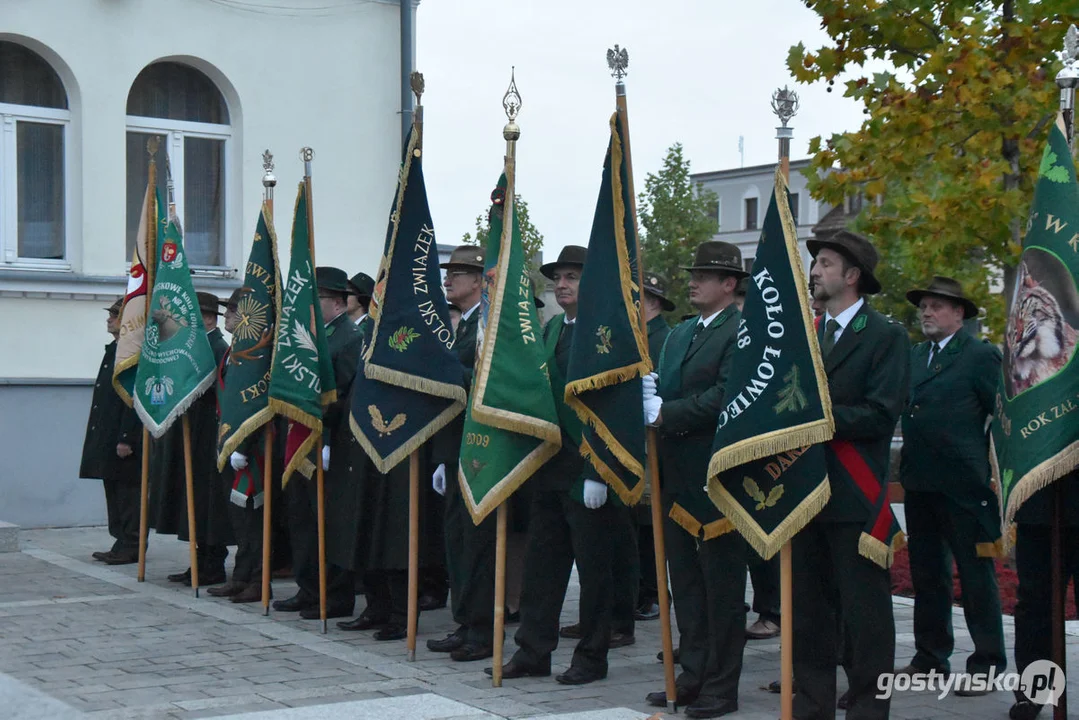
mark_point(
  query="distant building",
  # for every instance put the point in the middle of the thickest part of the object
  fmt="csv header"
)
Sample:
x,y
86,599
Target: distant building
x,y
743,195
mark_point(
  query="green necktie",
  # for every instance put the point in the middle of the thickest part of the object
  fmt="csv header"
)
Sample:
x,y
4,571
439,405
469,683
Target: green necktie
x,y
830,329
933,350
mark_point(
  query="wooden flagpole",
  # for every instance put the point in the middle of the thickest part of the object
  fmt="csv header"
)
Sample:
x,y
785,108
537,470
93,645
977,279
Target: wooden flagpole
x,y
151,230
307,154
511,103
618,61
268,183
413,551
189,477
144,504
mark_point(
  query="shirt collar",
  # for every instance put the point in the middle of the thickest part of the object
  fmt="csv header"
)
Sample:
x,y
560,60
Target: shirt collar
x,y
945,341
568,320
331,322
847,315
360,319
468,314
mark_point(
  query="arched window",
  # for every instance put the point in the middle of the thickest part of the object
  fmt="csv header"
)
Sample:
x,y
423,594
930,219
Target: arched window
x,y
183,107
34,121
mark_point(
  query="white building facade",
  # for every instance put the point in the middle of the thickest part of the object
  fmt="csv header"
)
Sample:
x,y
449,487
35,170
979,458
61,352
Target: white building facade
x,y
83,86
743,195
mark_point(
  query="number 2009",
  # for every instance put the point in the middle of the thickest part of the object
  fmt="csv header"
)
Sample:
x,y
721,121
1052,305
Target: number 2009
x,y
477,439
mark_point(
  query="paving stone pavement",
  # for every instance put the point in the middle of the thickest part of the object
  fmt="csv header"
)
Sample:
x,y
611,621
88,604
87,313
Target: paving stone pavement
x,y
79,639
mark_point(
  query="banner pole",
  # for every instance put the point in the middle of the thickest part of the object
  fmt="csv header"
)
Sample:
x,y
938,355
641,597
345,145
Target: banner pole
x,y
189,477
500,594
618,61
413,551
321,490
269,181
144,504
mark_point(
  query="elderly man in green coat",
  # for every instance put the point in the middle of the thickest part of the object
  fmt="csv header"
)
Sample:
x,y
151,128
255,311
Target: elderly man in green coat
x,y
950,508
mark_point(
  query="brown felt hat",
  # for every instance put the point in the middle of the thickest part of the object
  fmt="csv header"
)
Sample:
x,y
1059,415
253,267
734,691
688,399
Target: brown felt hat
x,y
656,285
115,308
209,304
947,288
858,250
466,257
719,256
572,255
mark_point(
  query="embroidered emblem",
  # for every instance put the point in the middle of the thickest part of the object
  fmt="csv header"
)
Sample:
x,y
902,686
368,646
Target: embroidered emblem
x,y
791,397
754,492
381,425
401,339
859,323
158,389
477,466
604,334
252,318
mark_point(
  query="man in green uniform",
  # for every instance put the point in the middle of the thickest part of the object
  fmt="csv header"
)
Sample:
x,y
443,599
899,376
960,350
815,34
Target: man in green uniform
x,y
213,531
470,548
245,585
866,358
338,449
111,452
570,520
360,289
707,559
951,510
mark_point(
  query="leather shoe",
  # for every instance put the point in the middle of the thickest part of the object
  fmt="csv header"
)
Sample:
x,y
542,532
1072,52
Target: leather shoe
x,y
100,555
472,651
332,611
844,701
647,612
281,573
121,558
449,643
233,587
211,578
776,687
710,707
577,675
428,603
620,639
363,622
570,632
1024,710
514,669
294,604
677,655
181,577
251,593
684,696
392,631
762,630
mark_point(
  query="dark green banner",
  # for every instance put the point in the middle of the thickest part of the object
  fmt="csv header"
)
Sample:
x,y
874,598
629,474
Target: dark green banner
x,y
1035,435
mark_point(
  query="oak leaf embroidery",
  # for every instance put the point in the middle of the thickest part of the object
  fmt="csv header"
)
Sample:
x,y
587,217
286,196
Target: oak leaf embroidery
x,y
402,338
379,424
755,493
604,334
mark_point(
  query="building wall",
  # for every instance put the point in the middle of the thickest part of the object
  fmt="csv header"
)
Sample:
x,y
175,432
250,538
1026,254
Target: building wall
x,y
325,79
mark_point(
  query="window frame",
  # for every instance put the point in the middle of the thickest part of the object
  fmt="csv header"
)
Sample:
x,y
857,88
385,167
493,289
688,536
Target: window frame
x,y
756,219
176,131
10,116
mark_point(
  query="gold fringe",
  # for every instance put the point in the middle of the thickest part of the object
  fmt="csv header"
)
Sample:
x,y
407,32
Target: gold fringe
x,y
182,406
717,527
120,367
587,416
247,428
770,443
385,464
516,477
768,544
684,519
627,496
312,423
416,383
878,552
993,549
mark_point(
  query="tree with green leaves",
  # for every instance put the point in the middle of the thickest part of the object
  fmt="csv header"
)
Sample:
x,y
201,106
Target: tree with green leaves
x,y
954,127
675,216
531,238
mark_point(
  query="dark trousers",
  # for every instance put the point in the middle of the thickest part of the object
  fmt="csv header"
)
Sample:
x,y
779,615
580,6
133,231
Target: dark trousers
x,y
386,592
247,529
939,530
1033,607
470,562
830,574
123,496
626,571
647,589
560,531
708,580
764,574
303,532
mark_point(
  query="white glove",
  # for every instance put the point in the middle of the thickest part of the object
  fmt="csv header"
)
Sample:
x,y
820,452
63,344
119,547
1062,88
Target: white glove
x,y
652,402
438,480
649,382
595,494
325,457
238,461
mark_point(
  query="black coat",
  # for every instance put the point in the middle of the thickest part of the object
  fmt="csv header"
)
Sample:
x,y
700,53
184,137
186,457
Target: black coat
x,y
111,423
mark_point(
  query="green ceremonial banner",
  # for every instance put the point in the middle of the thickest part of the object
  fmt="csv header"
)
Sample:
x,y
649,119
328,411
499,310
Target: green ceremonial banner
x,y
176,364
243,399
610,353
301,378
511,425
768,472
1035,437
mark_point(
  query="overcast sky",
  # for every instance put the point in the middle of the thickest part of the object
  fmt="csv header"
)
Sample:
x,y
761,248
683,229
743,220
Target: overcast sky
x,y
701,73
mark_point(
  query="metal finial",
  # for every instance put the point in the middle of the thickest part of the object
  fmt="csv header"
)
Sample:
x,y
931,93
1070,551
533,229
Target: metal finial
x,y
511,103
416,81
1068,77
785,104
617,61
152,145
268,178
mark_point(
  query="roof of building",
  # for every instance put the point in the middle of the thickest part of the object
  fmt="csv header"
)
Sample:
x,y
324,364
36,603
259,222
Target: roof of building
x,y
746,171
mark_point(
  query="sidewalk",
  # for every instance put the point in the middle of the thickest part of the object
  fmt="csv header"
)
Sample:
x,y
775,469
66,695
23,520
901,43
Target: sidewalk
x,y
79,639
